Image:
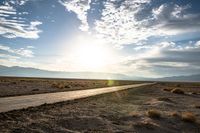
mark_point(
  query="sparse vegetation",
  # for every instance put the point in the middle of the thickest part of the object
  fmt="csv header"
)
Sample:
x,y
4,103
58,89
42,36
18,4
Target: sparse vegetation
x,y
177,91
54,85
13,86
154,113
188,117
194,93
58,85
196,106
35,89
164,99
178,85
174,114
167,89
144,124
14,83
122,111
134,114
67,86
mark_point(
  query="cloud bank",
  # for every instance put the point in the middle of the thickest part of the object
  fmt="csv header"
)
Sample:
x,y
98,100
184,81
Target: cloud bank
x,y
13,24
24,52
131,22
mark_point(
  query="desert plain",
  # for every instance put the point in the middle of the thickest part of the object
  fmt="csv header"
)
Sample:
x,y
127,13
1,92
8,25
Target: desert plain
x,y
164,107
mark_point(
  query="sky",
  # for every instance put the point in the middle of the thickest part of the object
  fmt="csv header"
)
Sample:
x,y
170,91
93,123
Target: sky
x,y
146,38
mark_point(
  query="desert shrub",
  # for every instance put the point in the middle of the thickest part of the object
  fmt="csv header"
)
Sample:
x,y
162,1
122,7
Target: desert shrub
x,y
76,85
58,85
165,99
14,83
67,86
188,117
178,85
174,114
35,89
153,113
144,124
196,106
177,91
167,89
134,114
54,85
162,83
194,93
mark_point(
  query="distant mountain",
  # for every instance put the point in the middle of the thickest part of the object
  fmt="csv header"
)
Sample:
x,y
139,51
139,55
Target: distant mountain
x,y
32,72
190,78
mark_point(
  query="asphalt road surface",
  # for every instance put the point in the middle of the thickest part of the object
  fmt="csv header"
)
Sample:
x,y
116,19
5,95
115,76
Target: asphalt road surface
x,y
20,102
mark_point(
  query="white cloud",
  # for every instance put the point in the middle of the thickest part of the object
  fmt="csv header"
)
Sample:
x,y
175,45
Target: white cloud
x,y
17,2
80,7
12,25
5,56
166,59
132,22
21,51
30,47
118,24
17,62
172,19
161,45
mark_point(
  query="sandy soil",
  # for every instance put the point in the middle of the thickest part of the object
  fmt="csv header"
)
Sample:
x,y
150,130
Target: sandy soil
x,y
26,86
124,111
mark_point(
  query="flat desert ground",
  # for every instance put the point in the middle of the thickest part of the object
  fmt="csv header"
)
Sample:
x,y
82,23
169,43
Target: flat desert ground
x,y
165,107
11,86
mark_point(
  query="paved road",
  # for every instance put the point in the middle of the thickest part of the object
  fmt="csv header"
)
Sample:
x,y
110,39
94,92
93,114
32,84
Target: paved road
x,y
20,102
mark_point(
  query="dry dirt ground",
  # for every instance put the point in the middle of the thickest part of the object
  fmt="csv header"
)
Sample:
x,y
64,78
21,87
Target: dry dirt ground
x,y
11,86
149,109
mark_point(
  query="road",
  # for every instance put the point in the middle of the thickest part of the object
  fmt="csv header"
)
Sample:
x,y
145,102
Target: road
x,y
20,102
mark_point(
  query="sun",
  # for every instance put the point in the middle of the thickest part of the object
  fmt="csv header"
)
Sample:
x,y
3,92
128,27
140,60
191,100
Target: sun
x,y
90,53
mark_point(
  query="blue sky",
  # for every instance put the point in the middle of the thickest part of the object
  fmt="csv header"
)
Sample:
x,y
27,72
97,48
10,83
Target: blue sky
x,y
147,38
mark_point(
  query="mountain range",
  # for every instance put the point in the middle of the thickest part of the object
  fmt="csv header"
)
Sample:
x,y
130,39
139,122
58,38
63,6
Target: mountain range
x,y
17,71
33,72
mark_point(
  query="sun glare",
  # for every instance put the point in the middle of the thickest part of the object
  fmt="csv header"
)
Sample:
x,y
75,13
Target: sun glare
x,y
90,53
